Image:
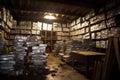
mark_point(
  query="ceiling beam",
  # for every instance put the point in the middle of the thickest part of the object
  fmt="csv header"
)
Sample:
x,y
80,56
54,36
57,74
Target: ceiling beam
x,y
68,13
30,17
78,3
19,18
35,5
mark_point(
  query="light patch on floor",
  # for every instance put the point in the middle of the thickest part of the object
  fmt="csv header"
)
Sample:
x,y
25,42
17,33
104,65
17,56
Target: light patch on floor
x,y
61,71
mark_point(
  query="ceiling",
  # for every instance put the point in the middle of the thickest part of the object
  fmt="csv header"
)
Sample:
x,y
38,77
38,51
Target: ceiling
x,y
65,10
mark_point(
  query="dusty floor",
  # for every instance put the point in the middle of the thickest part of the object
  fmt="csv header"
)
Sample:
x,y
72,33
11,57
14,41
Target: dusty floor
x,y
55,70
62,71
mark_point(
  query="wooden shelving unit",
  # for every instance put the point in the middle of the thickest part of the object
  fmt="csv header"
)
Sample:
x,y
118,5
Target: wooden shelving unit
x,y
6,22
97,27
48,32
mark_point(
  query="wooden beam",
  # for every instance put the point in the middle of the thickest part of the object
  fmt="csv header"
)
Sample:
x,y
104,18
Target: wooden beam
x,y
65,12
78,3
40,15
36,5
35,18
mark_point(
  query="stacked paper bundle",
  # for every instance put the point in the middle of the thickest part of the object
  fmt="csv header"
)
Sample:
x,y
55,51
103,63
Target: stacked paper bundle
x,y
38,57
20,51
36,53
2,47
6,64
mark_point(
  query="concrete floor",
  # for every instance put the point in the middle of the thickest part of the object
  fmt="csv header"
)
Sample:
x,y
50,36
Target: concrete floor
x,y
61,71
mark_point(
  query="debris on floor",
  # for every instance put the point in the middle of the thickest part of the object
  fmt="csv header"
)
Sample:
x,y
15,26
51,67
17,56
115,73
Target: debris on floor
x,y
55,70
62,71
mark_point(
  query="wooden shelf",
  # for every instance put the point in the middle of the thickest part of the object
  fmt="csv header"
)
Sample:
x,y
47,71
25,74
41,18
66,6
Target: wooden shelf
x,y
97,25
97,22
100,39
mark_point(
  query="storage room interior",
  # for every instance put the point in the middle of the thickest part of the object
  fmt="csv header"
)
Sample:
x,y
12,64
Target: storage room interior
x,y
59,40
